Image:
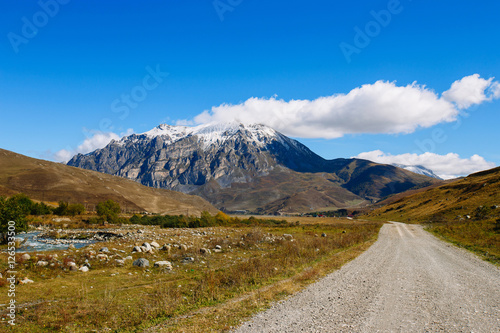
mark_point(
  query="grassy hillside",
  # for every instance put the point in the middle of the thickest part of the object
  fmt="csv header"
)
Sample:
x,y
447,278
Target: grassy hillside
x,y
53,182
449,202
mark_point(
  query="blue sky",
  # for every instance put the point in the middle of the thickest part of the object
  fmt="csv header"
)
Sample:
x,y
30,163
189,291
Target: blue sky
x,y
66,65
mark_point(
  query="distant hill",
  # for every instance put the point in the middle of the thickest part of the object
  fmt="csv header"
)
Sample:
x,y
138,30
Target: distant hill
x,y
247,167
53,182
479,193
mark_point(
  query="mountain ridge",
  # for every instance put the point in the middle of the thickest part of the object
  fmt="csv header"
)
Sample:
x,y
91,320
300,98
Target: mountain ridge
x,y
221,161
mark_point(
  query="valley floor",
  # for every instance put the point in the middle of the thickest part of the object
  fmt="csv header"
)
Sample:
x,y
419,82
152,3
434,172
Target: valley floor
x,y
207,279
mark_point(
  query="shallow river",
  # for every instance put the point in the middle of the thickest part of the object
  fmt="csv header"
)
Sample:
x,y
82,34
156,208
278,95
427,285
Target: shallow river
x,y
32,244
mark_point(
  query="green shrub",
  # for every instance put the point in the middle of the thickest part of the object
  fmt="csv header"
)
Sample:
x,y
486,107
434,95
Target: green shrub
x,y
109,210
76,209
41,209
15,208
62,209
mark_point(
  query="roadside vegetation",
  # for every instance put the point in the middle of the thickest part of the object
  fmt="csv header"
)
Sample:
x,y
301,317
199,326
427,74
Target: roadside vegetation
x,y
481,236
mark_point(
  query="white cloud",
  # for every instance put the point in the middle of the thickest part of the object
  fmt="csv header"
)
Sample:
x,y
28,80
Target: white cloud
x,y
97,140
445,166
495,90
472,90
381,107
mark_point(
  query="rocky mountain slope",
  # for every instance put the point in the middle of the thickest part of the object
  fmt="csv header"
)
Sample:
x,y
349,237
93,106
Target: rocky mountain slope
x,y
246,167
53,182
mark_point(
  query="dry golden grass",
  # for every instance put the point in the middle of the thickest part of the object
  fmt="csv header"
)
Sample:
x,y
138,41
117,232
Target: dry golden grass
x,y
196,297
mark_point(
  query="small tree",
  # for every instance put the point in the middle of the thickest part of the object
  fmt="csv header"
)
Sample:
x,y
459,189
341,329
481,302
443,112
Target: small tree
x,y
62,209
109,210
76,209
22,201
13,209
207,219
41,209
222,217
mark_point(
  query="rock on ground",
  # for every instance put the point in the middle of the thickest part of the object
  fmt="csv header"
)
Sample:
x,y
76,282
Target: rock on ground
x,y
163,264
141,262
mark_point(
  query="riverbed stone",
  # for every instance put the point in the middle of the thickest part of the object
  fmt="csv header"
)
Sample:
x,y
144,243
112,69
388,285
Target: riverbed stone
x,y
146,247
141,262
166,248
84,269
25,256
163,264
42,263
26,281
204,251
188,260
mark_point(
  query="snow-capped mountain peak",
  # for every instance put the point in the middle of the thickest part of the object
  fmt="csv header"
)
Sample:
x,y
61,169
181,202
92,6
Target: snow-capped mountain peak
x,y
215,133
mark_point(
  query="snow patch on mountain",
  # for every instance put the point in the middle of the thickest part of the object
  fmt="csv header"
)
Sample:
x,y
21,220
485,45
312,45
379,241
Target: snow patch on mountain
x,y
418,169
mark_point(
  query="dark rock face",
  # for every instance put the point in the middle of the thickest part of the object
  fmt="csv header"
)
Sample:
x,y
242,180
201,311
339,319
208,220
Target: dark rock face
x,y
211,160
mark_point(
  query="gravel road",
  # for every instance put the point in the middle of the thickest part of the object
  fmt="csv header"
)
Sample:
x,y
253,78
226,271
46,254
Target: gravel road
x,y
408,281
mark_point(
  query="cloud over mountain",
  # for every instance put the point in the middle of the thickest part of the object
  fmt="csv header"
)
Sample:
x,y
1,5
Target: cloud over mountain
x,y
381,107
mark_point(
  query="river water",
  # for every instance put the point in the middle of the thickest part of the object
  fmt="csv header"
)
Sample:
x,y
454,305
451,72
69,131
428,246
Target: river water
x,y
32,244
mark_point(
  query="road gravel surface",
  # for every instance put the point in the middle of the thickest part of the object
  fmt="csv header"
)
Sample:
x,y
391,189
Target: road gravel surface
x,y
408,281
